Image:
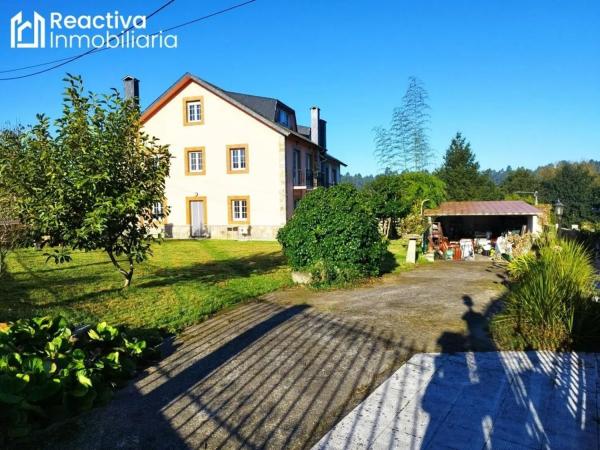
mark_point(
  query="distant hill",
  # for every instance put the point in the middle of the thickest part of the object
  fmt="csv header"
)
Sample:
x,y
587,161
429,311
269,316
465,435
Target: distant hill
x,y
357,180
497,176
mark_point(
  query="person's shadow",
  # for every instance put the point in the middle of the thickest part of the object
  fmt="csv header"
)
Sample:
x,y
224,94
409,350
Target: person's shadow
x,y
487,399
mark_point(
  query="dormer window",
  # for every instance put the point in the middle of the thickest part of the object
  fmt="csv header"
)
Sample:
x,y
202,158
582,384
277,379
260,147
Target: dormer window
x,y
283,118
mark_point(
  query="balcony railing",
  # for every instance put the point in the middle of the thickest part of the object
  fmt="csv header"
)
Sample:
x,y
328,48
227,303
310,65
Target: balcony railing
x,y
323,180
304,178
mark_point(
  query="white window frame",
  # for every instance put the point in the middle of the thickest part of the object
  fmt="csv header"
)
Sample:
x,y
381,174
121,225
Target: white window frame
x,y
194,111
239,210
238,158
198,157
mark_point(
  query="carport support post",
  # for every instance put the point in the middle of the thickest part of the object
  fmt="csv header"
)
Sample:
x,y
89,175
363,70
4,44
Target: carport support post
x,y
411,254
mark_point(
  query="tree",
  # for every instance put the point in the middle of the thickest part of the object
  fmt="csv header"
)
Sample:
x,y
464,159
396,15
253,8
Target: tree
x,y
578,188
519,181
393,196
100,177
11,231
460,172
357,180
405,145
416,187
384,195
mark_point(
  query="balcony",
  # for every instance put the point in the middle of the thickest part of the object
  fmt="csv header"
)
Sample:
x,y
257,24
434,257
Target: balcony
x,y
303,179
323,180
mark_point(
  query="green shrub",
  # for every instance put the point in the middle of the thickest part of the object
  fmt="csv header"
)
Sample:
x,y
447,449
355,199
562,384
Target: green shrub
x,y
334,235
550,304
47,373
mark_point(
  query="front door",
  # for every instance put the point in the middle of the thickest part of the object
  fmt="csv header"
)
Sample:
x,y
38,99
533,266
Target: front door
x,y
197,217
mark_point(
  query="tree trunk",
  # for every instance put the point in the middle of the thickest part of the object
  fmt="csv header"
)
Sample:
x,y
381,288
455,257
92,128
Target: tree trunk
x,y
388,227
128,274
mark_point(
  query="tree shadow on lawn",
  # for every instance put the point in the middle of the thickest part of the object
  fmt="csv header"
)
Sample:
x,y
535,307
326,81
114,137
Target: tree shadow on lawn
x,y
214,272
16,291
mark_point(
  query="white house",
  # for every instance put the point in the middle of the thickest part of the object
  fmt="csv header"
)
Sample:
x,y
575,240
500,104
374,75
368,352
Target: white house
x,y
240,162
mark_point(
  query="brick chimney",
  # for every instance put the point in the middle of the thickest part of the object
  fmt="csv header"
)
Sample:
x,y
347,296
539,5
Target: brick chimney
x,y
131,87
318,127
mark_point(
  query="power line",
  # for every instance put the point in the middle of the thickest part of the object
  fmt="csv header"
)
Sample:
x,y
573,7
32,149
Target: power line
x,y
93,50
208,16
69,59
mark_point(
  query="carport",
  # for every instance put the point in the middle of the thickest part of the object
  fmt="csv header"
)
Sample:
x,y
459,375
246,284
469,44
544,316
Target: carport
x,y
472,219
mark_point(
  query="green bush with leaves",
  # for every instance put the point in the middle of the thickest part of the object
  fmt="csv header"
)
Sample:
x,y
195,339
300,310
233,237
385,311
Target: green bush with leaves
x,y
334,235
48,373
550,304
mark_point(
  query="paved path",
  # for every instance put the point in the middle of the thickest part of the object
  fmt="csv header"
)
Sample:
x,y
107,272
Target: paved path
x,y
498,400
279,373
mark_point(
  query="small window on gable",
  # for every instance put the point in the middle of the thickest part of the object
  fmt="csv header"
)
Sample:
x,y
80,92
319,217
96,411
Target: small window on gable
x,y
237,159
283,118
193,110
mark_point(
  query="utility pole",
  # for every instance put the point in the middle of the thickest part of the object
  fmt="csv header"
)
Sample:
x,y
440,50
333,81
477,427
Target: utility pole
x,y
535,194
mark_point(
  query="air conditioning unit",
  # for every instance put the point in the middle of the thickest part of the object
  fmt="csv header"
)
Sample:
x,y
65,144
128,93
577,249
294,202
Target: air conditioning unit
x,y
244,231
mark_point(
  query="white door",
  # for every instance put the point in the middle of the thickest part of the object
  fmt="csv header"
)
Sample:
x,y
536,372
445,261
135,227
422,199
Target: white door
x,y
197,216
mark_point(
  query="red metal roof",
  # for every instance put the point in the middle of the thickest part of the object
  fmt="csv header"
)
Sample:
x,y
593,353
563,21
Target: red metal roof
x,y
484,208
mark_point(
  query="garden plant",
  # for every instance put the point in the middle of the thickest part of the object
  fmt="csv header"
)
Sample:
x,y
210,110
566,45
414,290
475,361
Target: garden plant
x,y
551,302
334,235
48,372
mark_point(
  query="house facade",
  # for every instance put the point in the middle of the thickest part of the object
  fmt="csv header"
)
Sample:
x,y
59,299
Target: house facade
x,y
239,162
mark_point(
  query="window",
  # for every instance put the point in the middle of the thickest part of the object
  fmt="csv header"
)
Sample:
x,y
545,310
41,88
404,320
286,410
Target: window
x,y
237,158
283,118
193,110
309,169
297,168
157,210
195,161
334,176
239,210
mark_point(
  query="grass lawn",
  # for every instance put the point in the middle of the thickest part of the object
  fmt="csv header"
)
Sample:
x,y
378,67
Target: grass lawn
x,y
398,248
184,282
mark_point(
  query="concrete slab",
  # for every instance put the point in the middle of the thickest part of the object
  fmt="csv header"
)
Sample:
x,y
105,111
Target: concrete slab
x,y
487,400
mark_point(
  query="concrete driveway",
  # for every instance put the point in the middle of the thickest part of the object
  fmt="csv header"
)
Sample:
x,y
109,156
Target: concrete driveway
x,y
475,401
281,372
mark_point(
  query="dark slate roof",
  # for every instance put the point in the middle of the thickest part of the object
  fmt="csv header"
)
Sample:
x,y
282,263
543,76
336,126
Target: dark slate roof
x,y
304,130
264,106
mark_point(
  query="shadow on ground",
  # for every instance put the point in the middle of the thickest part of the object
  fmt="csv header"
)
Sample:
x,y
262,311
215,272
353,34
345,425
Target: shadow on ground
x,y
479,400
268,375
275,375
260,376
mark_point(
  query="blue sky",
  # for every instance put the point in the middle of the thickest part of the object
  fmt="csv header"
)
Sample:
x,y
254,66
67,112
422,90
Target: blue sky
x,y
520,79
